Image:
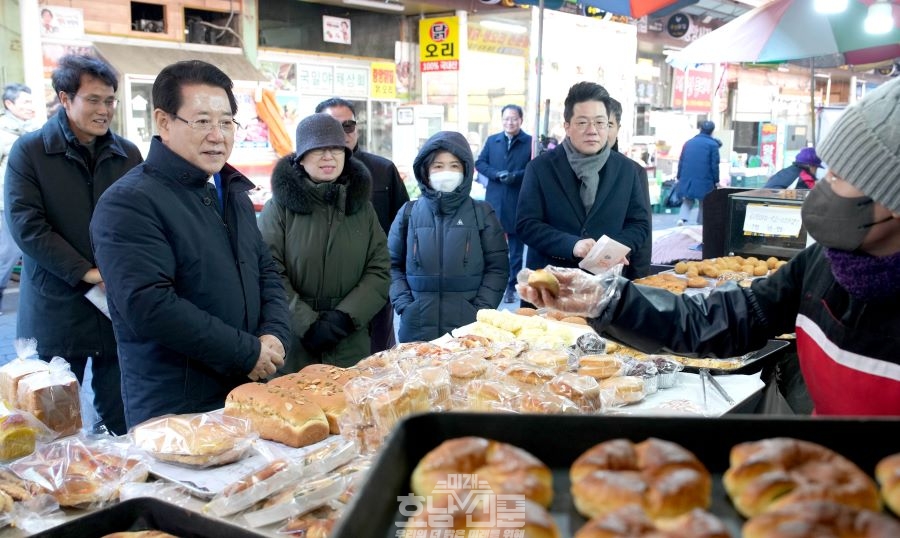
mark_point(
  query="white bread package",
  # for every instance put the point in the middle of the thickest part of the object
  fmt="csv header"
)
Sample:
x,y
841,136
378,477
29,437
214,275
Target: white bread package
x,y
195,440
52,396
13,372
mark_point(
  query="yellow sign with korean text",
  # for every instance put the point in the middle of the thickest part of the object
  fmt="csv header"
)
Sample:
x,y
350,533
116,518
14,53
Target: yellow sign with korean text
x,y
439,44
384,80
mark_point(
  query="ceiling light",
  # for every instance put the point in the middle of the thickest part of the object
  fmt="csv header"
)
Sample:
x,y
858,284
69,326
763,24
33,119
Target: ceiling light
x,y
830,7
504,27
880,18
374,4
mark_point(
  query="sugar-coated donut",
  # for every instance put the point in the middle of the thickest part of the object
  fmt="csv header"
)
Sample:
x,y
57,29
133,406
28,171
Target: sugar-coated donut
x,y
770,473
662,477
506,469
818,519
632,522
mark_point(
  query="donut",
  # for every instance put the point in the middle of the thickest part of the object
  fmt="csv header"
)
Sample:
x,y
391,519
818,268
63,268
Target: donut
x,y
887,473
662,477
816,519
537,522
771,473
506,469
632,522
543,279
599,365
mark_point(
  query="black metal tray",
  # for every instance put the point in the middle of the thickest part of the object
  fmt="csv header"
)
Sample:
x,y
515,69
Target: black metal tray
x,y
559,439
753,362
147,514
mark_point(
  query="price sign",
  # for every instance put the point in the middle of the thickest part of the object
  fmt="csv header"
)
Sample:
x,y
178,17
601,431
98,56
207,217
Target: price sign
x,y
773,221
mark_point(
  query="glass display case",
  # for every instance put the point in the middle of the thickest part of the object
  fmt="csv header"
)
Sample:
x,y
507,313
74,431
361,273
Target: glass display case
x,y
766,222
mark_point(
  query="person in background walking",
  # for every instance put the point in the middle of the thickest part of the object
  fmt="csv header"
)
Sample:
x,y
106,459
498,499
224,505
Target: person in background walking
x,y
54,179
502,160
14,122
195,297
698,171
326,239
448,255
388,196
800,175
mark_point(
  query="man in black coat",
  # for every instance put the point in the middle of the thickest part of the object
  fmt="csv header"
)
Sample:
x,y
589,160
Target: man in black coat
x,y
54,178
573,195
388,196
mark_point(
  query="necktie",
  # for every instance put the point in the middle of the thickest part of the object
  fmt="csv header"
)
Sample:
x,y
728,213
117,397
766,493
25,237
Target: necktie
x,y
508,143
214,194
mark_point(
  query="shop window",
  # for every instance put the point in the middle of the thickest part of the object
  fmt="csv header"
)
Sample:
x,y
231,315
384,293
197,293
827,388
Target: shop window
x,y
212,27
148,18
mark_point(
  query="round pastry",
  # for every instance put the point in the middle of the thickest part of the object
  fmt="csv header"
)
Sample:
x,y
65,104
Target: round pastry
x,y
632,522
482,395
553,359
505,468
545,403
622,390
581,389
697,282
770,473
525,311
537,522
662,477
543,279
528,375
887,473
466,368
817,519
599,365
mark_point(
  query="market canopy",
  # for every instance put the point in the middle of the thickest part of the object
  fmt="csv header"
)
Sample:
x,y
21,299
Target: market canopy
x,y
141,60
792,30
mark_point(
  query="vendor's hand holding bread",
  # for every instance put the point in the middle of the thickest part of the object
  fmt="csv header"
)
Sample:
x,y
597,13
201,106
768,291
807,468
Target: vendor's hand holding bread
x,y
572,291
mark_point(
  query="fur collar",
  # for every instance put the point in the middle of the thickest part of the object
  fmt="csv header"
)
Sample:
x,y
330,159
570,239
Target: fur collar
x,y
291,189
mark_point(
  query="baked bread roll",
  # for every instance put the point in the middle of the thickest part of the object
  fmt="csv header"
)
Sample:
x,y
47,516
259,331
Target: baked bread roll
x,y
483,395
600,365
662,477
819,519
622,390
770,473
506,469
196,440
321,384
543,279
887,473
552,359
583,390
278,415
632,522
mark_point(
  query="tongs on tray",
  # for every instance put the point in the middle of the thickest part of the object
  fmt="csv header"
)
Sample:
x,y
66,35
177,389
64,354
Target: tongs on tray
x,y
706,377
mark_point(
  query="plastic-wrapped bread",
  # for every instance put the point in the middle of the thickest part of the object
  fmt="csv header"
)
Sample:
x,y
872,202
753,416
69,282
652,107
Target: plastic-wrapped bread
x,y
52,396
277,414
13,372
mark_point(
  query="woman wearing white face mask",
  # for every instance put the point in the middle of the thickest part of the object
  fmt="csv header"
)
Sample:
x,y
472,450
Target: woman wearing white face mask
x,y
325,237
448,254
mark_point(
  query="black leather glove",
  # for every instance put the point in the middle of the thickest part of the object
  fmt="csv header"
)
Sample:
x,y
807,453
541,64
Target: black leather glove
x,y
327,331
503,176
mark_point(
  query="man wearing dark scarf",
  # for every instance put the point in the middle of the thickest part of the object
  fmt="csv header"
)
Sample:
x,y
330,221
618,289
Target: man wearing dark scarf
x,y
839,295
575,194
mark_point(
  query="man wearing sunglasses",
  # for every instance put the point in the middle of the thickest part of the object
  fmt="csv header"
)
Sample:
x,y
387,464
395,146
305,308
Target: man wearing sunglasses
x,y
388,196
54,178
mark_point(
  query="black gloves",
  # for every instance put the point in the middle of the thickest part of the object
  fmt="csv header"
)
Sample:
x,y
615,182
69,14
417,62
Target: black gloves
x,y
326,332
503,176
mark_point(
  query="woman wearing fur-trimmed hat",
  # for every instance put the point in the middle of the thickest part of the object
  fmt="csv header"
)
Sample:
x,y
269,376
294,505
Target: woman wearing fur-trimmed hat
x,y
839,295
324,235
799,175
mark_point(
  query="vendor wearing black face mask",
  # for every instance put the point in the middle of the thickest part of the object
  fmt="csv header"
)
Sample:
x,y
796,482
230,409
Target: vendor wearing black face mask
x,y
839,295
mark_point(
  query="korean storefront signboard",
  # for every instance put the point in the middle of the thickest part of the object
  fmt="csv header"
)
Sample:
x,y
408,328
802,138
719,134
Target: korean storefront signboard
x,y
439,44
351,81
384,80
695,93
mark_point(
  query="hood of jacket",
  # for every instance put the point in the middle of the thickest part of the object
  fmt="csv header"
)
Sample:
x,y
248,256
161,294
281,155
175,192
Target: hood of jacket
x,y
455,143
349,192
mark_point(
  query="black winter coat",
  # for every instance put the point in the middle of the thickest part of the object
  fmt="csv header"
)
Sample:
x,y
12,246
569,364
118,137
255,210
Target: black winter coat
x,y
388,191
551,216
51,191
190,290
443,269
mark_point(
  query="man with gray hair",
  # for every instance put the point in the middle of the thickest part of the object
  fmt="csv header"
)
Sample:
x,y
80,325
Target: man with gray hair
x,y
14,122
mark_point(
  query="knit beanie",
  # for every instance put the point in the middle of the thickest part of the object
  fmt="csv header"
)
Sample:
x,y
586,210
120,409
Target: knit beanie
x,y
863,146
707,127
808,157
319,131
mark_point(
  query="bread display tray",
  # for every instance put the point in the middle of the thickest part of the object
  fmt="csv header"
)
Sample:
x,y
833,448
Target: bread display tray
x,y
147,514
753,362
559,439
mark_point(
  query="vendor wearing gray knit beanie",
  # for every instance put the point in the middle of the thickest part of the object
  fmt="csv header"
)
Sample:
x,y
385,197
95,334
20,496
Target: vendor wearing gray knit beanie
x,y
319,131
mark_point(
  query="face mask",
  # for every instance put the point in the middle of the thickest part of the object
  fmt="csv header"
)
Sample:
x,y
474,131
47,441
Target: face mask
x,y
838,222
445,181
